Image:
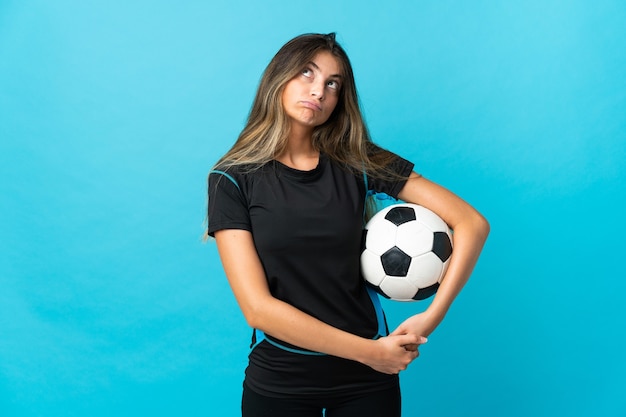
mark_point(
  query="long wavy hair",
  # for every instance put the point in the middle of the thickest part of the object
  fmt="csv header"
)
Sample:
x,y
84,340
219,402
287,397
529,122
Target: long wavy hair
x,y
344,137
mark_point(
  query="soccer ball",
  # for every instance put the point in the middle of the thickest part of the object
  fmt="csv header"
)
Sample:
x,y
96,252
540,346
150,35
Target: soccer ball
x,y
406,251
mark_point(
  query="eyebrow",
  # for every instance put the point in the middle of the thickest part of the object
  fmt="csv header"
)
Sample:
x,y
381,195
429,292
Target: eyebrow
x,y
313,64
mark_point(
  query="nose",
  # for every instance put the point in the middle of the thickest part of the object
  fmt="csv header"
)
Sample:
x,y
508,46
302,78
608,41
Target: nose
x,y
317,90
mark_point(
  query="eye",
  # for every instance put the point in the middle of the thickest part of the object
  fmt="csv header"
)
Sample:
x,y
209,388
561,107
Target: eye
x,y
307,72
334,84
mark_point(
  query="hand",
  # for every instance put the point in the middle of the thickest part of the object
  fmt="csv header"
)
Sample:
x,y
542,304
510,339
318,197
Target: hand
x,y
390,355
419,325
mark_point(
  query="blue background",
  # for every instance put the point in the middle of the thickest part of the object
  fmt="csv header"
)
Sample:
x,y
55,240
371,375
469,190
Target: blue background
x,y
112,113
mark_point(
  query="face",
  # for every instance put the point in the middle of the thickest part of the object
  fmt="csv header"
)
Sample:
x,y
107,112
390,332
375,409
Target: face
x,y
311,96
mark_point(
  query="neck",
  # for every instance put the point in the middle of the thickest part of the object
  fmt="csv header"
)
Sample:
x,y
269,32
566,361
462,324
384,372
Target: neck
x,y
300,136
300,153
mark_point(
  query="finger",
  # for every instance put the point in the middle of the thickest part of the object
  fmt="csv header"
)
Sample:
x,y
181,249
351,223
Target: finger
x,y
405,339
399,331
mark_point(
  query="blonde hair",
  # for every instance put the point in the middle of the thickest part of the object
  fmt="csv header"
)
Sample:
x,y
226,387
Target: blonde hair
x,y
343,137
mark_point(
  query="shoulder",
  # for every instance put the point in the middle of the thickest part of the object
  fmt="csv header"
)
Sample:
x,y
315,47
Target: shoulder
x,y
240,177
383,161
377,152
225,173
237,173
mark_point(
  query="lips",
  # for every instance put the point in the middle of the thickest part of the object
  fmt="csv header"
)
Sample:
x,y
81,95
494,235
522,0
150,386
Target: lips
x,y
311,105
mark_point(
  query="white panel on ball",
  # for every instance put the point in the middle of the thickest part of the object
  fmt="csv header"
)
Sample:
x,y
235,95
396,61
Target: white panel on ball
x,y
398,288
430,219
371,267
414,239
381,237
425,270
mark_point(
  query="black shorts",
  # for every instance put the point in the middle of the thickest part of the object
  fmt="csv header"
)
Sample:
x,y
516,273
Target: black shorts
x,y
385,403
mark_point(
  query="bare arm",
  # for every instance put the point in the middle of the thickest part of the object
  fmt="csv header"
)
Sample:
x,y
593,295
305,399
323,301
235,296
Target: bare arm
x,y
470,233
285,322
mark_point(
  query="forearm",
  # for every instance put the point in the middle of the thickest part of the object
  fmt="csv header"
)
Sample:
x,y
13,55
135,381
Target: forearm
x,y
390,354
469,239
470,233
289,324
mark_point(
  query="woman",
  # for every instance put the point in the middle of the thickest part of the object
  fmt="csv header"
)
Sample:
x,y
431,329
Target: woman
x,y
286,208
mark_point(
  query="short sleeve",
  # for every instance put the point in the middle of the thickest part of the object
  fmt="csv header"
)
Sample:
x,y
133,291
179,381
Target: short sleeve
x,y
392,187
228,208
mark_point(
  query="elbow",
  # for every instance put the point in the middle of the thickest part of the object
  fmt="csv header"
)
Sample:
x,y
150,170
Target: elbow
x,y
475,225
255,320
247,314
256,313
481,227
251,316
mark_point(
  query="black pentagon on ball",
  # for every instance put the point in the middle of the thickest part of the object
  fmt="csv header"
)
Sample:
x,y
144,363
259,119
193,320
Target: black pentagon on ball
x,y
395,262
400,215
424,293
442,247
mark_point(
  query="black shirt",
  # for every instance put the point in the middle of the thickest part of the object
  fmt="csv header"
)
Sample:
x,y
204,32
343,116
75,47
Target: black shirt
x,y
307,228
